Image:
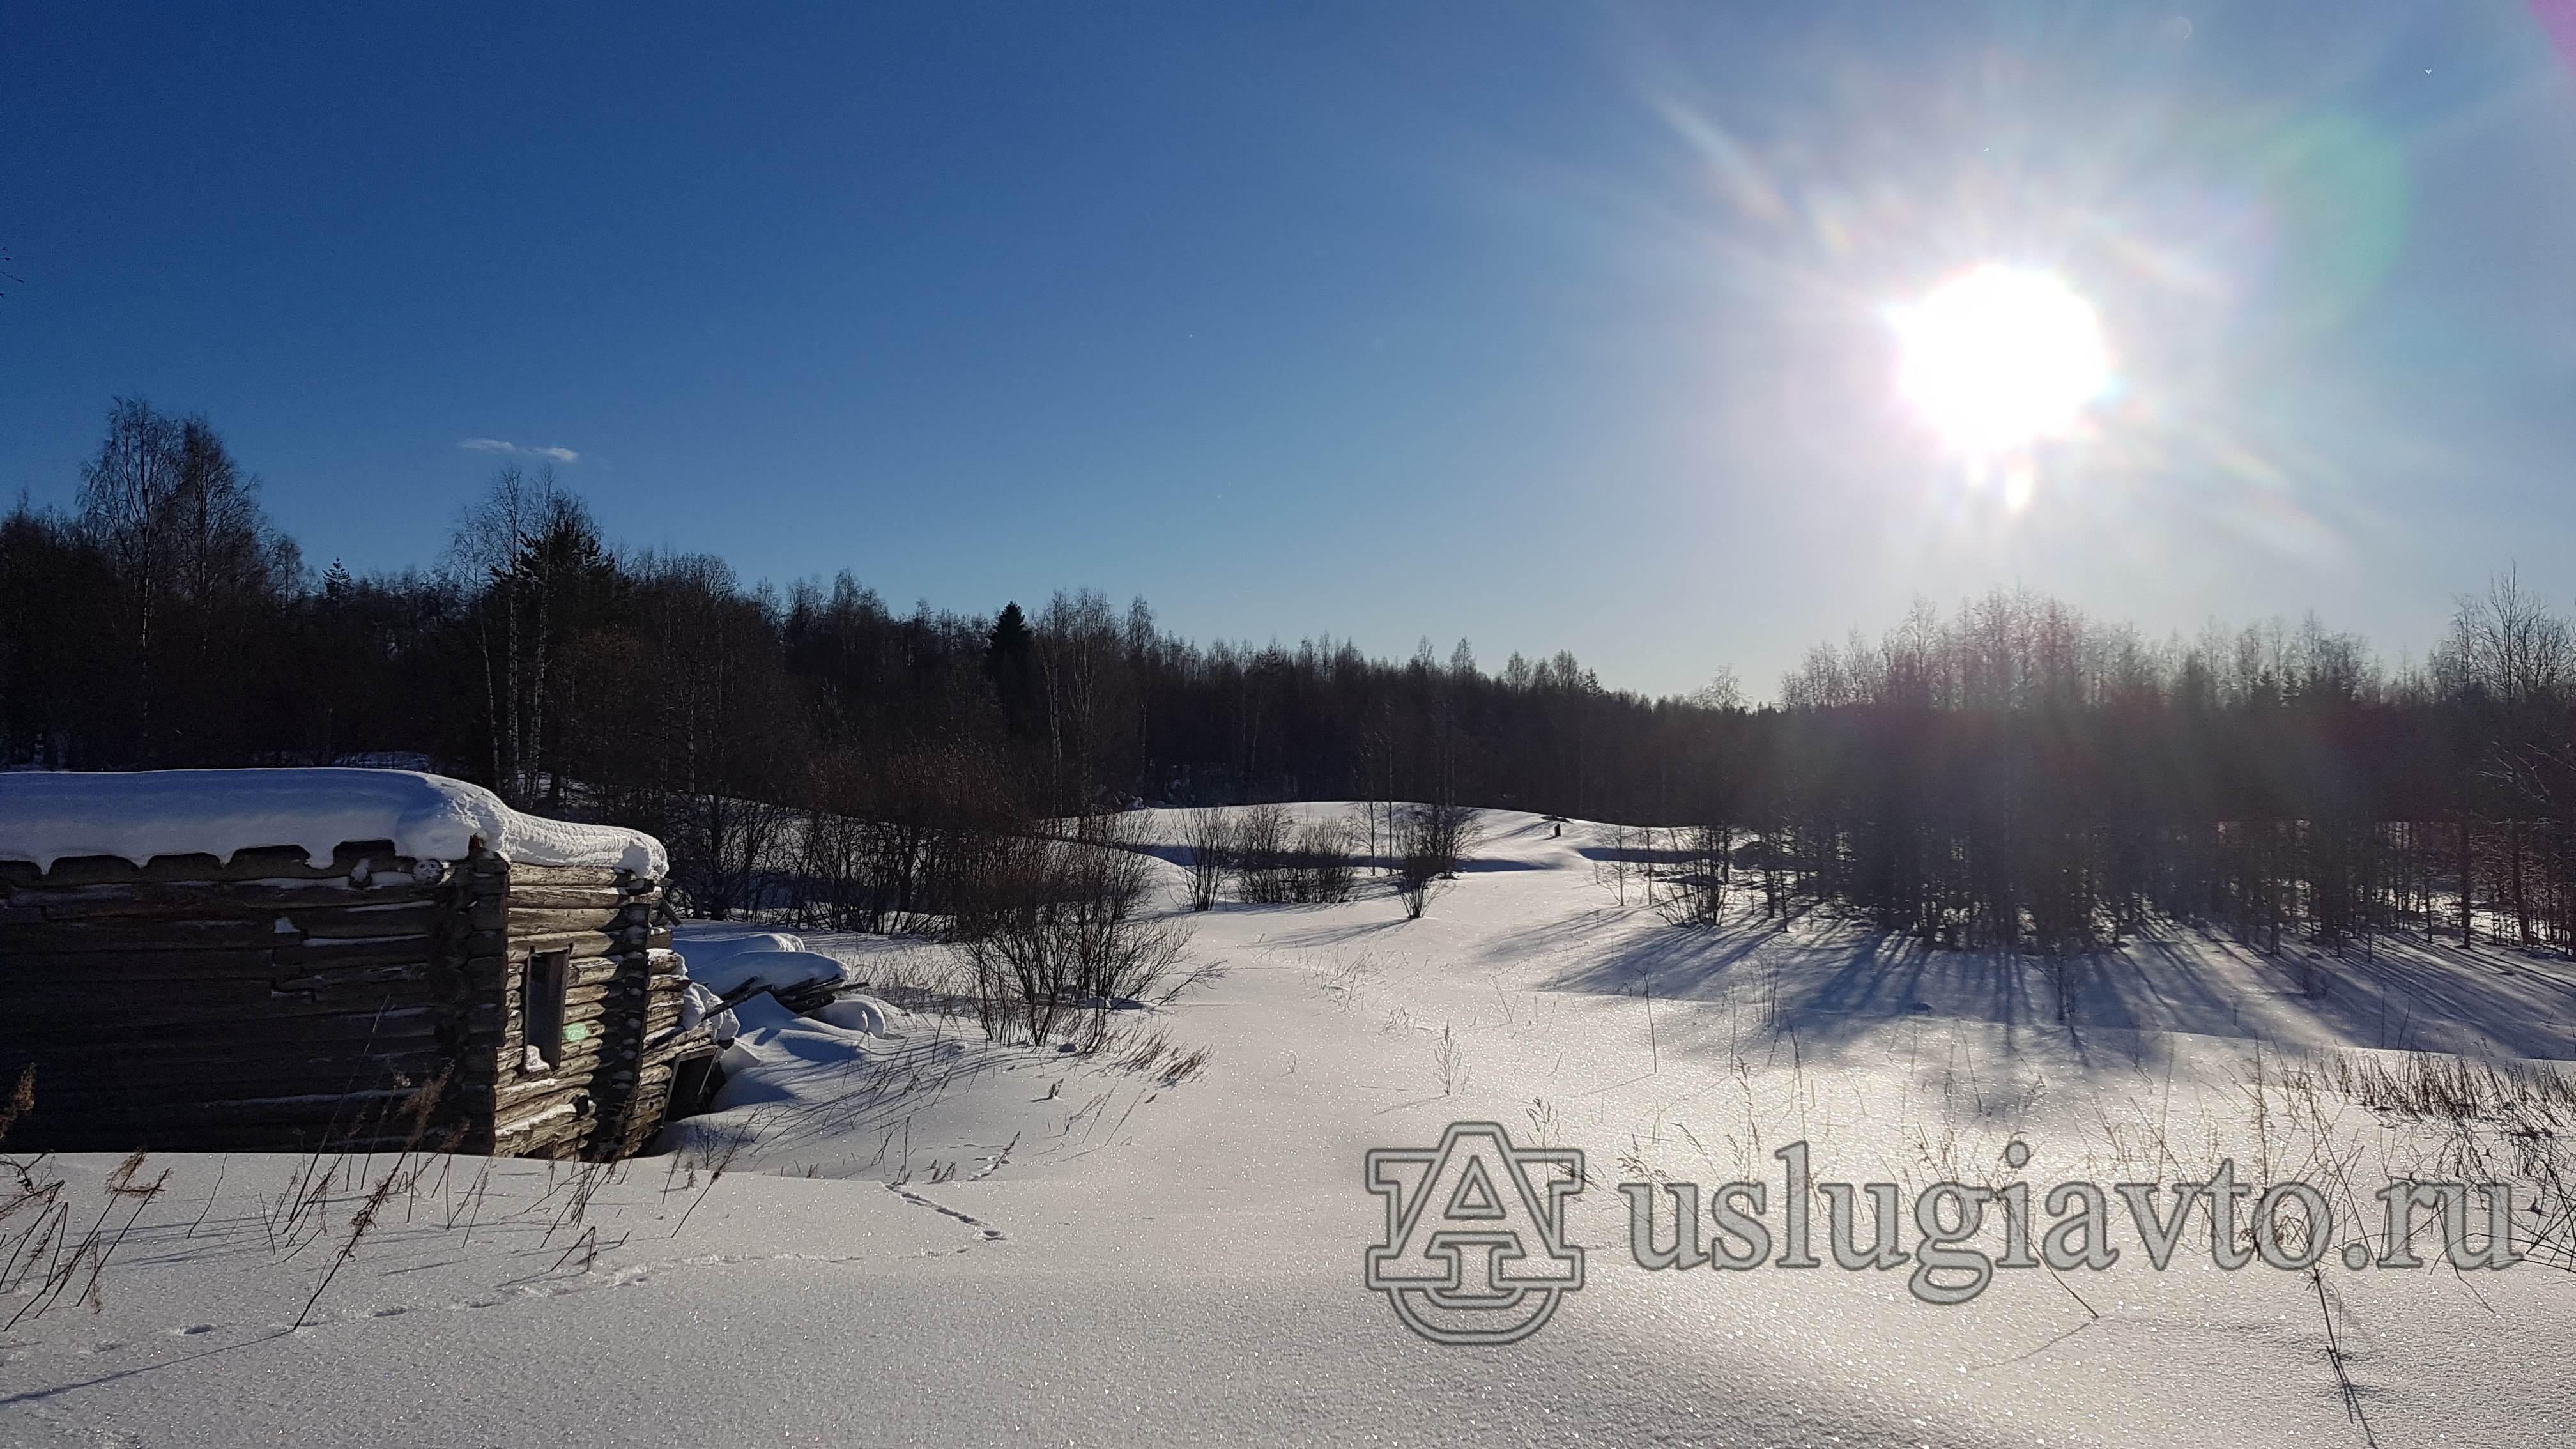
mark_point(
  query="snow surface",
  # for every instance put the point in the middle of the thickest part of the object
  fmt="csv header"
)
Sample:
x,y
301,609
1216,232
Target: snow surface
x,y
45,817
938,1239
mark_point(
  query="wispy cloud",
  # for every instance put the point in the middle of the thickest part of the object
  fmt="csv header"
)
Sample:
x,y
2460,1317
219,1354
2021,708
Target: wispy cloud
x,y
498,445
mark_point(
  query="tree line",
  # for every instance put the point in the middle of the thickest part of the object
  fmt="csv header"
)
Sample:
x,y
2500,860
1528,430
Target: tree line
x,y
2014,774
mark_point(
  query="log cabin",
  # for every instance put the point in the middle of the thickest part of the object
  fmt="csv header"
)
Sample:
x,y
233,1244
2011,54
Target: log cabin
x,y
340,959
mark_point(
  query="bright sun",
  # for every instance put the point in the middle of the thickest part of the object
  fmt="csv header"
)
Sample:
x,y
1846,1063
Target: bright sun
x,y
1997,358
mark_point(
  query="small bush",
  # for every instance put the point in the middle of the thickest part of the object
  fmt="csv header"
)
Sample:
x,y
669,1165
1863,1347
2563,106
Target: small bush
x,y
1430,842
1053,936
1262,867
1280,863
1210,837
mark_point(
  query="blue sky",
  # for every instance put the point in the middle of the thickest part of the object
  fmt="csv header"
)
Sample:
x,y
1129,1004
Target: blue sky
x,y
1554,327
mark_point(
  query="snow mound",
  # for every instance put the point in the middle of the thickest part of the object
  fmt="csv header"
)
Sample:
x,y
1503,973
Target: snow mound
x,y
45,817
866,1015
726,961
704,1007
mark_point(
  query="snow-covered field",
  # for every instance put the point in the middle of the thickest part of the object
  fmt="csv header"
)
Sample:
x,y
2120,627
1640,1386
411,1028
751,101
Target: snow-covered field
x,y
912,1235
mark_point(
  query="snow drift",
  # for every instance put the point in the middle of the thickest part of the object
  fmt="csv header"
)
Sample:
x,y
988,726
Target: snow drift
x,y
729,960
45,817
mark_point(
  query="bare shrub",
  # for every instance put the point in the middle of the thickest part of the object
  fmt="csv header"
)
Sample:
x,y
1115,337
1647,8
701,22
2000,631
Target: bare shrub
x,y
1054,935
1616,865
1322,868
888,845
1281,863
1262,856
1696,887
1210,837
1430,841
832,875
726,851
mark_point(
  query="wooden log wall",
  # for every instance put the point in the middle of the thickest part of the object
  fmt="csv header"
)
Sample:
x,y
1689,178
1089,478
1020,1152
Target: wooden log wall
x,y
268,1004
605,1094
197,1003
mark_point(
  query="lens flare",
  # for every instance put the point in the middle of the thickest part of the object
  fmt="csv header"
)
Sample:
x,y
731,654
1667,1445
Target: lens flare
x,y
1998,358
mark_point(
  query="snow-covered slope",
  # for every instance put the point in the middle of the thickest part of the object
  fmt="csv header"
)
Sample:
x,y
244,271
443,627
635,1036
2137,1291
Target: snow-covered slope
x,y
45,817
919,1236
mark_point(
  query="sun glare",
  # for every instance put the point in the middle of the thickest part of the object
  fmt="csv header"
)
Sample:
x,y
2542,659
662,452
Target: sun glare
x,y
1997,358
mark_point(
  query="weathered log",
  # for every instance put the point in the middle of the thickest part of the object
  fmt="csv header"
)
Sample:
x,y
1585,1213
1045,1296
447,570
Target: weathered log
x,y
515,1101
329,954
285,862
209,900
41,992
367,920
518,948
140,967
167,1076
306,978
227,1027
216,1020
507,1070
558,1129
65,938
575,875
606,899
526,922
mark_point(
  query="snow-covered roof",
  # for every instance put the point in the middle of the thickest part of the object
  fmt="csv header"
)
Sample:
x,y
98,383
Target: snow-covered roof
x,y
45,817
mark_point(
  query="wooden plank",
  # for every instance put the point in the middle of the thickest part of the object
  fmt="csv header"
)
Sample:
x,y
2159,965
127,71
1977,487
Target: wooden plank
x,y
579,943
428,974
526,921
580,1062
569,875
77,985
140,969
368,920
117,1021
285,862
522,1099
284,1078
599,971
211,900
228,1043
337,954
66,938
524,896
558,1131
